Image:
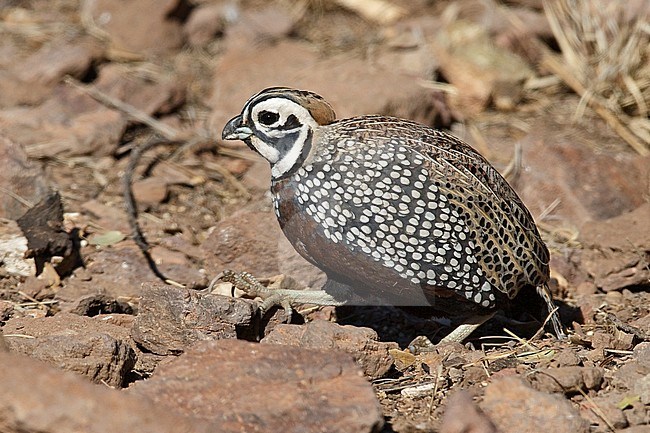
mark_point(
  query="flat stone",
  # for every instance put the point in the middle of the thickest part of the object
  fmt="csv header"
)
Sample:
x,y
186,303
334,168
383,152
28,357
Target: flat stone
x,y
462,415
569,380
204,23
139,26
611,250
40,398
21,177
246,386
117,272
171,318
98,350
359,88
361,343
251,240
508,398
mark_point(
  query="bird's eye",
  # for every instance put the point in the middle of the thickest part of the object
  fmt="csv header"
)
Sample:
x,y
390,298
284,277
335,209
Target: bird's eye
x,y
268,117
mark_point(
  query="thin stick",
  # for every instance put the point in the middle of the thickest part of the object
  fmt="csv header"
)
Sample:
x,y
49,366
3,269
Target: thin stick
x,y
166,131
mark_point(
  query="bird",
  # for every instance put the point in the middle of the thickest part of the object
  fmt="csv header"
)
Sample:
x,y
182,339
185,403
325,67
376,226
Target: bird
x,y
393,211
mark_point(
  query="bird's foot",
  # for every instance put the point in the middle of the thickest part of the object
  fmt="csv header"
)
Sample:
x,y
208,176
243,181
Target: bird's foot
x,y
285,298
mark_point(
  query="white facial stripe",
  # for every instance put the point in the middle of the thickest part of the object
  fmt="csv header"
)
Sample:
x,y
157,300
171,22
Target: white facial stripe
x,y
269,153
290,158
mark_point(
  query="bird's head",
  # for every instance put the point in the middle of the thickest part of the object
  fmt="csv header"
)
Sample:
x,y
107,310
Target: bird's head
x,y
279,123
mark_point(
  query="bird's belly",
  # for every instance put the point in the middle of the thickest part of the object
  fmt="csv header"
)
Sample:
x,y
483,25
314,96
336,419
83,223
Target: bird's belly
x,y
369,280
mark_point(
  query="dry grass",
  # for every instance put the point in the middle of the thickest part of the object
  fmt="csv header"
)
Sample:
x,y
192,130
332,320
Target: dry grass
x,y
606,47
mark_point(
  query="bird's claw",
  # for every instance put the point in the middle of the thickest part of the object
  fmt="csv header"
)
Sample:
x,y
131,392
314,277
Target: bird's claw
x,y
248,284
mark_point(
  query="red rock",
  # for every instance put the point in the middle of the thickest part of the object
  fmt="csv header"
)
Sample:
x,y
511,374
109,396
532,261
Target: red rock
x,y
70,122
507,399
118,272
39,398
462,415
263,25
98,350
598,406
361,343
478,69
139,26
569,380
252,241
24,180
58,58
204,24
242,386
29,79
358,88
159,94
150,191
170,318
555,169
611,250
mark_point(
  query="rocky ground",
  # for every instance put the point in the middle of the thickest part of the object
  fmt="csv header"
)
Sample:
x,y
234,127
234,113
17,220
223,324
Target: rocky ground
x,y
98,343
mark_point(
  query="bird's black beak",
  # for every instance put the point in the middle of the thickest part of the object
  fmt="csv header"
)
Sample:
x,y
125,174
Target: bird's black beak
x,y
235,130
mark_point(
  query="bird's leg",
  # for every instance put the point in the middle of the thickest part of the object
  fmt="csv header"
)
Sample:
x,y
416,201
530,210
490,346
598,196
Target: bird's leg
x,y
422,344
468,326
284,298
545,293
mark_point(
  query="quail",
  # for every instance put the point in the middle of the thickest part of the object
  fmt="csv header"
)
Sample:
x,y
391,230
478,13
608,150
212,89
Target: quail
x,y
394,212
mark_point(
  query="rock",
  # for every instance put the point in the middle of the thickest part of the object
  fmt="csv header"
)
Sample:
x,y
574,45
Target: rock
x,y
204,23
553,155
568,380
612,250
70,122
604,406
170,318
39,398
150,191
462,415
359,88
13,246
6,311
139,26
98,350
506,399
243,386
371,355
94,304
635,429
480,70
46,237
29,79
252,241
263,25
22,178
117,273
157,93
642,354
642,388
58,58
3,344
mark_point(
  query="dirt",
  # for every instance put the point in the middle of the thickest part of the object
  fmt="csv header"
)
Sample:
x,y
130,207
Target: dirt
x,y
173,72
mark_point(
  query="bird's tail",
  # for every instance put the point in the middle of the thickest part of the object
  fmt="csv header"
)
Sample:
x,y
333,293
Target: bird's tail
x,y
553,315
